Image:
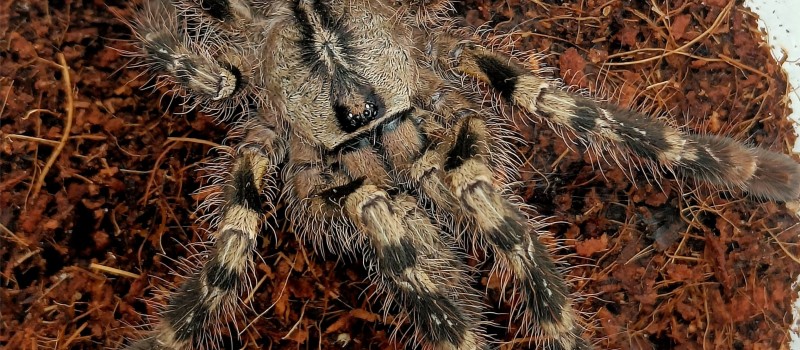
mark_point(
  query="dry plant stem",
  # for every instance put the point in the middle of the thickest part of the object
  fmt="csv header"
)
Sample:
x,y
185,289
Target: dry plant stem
x,y
80,329
171,145
782,245
5,100
33,139
194,140
702,36
70,109
13,236
113,271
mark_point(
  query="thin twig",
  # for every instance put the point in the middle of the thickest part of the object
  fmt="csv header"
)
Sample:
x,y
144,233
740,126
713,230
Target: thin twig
x,y
783,245
33,139
70,109
193,140
666,53
296,324
74,334
113,271
28,114
5,100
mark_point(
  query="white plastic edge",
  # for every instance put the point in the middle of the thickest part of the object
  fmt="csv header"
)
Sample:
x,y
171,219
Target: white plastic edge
x,y
779,21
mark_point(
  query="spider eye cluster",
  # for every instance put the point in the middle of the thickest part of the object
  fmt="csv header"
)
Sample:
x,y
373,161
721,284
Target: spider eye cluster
x,y
353,121
369,113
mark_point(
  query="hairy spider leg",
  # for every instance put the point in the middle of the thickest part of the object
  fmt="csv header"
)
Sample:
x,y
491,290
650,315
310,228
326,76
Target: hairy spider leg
x,y
210,295
406,256
454,175
216,80
717,160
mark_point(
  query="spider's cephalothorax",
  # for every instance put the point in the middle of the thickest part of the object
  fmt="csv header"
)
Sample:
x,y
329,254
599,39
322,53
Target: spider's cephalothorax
x,y
369,108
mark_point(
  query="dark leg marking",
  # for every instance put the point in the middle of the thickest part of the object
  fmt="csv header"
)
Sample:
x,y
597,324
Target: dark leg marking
x,y
221,277
586,116
547,291
396,258
508,236
243,189
645,137
502,76
237,74
336,195
187,313
464,147
439,319
219,9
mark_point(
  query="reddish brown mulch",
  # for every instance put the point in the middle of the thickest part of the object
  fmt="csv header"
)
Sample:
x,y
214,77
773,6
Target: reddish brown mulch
x,y
81,240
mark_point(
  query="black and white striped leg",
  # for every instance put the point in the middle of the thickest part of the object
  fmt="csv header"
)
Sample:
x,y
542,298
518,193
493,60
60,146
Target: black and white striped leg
x,y
455,176
406,256
717,160
210,295
545,302
164,51
423,282
213,68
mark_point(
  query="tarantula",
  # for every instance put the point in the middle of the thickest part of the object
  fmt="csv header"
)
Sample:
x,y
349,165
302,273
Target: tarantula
x,y
374,115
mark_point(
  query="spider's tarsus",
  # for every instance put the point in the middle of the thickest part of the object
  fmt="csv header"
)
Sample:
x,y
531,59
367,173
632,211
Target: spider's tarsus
x,y
776,177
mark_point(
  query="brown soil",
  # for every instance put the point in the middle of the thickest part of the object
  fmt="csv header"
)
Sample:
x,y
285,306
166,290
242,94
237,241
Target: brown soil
x,y
92,217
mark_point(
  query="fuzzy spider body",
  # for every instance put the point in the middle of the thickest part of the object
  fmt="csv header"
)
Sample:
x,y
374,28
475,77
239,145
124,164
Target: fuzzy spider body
x,y
370,110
